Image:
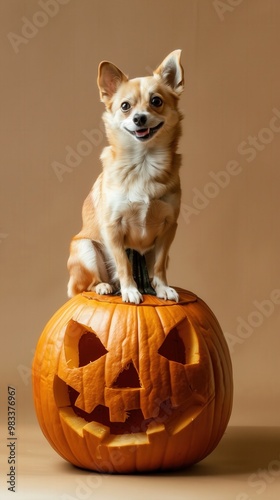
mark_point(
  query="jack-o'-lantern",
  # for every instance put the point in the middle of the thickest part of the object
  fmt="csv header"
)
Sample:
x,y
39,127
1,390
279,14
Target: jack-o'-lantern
x,y
123,387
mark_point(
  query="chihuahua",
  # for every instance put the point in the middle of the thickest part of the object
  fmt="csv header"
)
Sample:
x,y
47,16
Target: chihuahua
x,y
135,201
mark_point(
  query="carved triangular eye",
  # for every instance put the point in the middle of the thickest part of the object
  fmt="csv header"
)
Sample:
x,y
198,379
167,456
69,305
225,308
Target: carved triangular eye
x,y
128,377
90,349
181,344
81,345
173,347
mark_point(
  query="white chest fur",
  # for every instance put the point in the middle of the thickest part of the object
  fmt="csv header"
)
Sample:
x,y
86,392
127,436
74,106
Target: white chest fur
x,y
139,198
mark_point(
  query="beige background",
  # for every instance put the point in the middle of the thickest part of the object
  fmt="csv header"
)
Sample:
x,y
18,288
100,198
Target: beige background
x,y
227,246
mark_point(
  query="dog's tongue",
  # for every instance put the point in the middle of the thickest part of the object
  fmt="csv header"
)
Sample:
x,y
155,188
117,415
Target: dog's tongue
x,y
143,132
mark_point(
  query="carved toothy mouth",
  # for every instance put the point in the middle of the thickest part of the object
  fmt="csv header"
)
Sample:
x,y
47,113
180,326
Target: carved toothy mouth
x,y
134,423
135,430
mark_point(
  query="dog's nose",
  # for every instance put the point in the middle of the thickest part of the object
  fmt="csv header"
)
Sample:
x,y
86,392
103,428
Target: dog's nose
x,y
139,119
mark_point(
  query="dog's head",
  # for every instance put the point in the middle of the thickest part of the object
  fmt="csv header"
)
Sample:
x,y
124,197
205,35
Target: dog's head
x,y
142,109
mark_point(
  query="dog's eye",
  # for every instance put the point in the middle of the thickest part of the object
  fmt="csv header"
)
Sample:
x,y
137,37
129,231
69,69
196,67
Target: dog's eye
x,y
156,101
125,106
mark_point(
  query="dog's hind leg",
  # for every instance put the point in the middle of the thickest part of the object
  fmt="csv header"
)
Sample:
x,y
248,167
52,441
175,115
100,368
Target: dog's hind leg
x,y
87,268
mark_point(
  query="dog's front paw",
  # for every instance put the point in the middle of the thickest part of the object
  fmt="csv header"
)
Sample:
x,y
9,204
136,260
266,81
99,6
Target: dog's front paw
x,y
166,293
131,294
102,289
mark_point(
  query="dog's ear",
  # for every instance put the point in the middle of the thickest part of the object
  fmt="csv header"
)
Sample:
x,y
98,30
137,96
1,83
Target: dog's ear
x,y
109,79
171,72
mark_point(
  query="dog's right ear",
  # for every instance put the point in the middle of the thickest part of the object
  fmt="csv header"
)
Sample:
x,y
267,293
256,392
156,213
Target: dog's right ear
x,y
109,79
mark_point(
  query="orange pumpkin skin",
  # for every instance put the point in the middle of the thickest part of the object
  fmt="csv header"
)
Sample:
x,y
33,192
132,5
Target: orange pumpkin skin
x,y
124,388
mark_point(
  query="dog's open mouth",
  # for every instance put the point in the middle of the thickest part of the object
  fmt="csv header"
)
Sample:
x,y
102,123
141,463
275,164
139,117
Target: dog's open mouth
x,y
143,134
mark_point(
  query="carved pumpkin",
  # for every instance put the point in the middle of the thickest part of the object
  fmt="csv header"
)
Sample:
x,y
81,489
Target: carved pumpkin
x,y
123,387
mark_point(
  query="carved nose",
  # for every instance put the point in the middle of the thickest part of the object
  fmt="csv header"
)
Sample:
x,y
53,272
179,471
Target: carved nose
x,y
124,394
127,378
139,119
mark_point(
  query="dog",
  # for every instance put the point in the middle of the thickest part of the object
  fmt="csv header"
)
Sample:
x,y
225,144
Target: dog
x,y
135,201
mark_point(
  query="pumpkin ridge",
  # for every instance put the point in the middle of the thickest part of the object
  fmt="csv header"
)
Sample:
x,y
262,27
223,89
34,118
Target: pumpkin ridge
x,y
221,369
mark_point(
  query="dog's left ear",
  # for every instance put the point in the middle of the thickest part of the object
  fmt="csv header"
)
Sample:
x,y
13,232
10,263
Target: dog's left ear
x,y
172,72
109,79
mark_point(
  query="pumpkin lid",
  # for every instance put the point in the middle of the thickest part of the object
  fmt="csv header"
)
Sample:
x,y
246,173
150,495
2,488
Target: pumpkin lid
x,y
148,300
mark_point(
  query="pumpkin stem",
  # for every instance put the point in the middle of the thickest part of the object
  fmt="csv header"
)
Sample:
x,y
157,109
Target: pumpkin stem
x,y
140,272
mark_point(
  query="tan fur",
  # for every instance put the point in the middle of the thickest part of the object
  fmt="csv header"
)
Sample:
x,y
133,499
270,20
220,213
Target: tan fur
x,y
135,201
